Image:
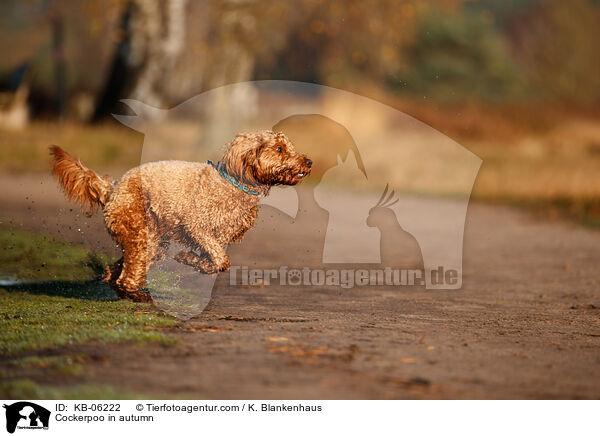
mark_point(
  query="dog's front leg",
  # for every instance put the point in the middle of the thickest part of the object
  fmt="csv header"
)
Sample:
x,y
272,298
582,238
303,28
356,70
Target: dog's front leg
x,y
214,259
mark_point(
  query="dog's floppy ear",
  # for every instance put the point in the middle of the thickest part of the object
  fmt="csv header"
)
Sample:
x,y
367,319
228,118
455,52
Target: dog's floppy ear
x,y
250,167
241,158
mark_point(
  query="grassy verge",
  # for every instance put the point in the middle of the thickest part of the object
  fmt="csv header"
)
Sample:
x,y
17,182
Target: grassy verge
x,y
35,322
23,388
103,147
49,298
55,365
31,256
56,301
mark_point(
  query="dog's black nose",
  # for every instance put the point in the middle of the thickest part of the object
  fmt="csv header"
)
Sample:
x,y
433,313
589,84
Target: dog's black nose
x,y
308,163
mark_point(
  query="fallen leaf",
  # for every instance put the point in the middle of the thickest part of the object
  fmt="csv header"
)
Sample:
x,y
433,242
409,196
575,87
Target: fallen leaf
x,y
276,339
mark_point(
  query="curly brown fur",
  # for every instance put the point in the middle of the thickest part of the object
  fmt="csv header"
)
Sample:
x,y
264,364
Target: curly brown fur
x,y
78,182
187,202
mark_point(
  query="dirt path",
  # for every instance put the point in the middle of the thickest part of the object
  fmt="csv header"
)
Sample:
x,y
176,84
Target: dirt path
x,y
526,323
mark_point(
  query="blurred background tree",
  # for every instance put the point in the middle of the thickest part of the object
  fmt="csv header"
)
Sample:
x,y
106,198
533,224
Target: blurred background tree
x,y
151,40
557,42
163,52
458,57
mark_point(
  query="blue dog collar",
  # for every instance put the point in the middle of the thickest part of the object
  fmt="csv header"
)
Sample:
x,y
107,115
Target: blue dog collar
x,y
235,182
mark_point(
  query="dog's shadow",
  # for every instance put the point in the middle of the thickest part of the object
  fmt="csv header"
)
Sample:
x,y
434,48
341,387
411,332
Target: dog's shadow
x,y
81,289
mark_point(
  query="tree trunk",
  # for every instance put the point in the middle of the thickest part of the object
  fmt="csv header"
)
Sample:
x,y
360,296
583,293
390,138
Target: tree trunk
x,y
153,33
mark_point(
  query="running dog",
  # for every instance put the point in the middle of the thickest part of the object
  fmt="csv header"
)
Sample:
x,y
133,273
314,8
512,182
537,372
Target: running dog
x,y
204,206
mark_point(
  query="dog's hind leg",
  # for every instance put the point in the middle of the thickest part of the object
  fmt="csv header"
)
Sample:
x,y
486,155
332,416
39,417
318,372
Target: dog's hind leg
x,y
130,226
133,276
139,247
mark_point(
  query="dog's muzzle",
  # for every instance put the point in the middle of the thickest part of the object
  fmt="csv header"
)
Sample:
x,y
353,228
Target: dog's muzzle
x,y
306,170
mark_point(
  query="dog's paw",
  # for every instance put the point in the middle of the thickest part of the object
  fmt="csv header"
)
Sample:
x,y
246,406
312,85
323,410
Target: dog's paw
x,y
130,292
200,264
136,296
186,258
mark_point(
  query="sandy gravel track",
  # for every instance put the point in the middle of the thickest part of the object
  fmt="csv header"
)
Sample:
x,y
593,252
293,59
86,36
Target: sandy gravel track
x,y
526,323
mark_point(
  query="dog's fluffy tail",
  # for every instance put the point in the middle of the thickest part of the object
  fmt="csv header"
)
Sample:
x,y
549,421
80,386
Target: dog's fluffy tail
x,y
78,182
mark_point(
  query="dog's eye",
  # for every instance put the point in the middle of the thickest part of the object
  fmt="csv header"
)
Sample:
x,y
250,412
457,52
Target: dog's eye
x,y
279,149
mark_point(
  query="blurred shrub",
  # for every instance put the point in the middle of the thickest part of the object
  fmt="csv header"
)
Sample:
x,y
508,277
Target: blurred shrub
x,y
559,43
346,43
460,56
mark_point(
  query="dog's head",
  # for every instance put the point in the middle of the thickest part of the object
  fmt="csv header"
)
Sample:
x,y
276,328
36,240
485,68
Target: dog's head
x,y
265,158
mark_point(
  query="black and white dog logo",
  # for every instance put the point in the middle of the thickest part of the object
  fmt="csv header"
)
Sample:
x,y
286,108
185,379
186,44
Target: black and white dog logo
x,y
26,415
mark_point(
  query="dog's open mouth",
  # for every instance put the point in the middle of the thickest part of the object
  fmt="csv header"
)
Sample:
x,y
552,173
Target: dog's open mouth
x,y
293,178
302,174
